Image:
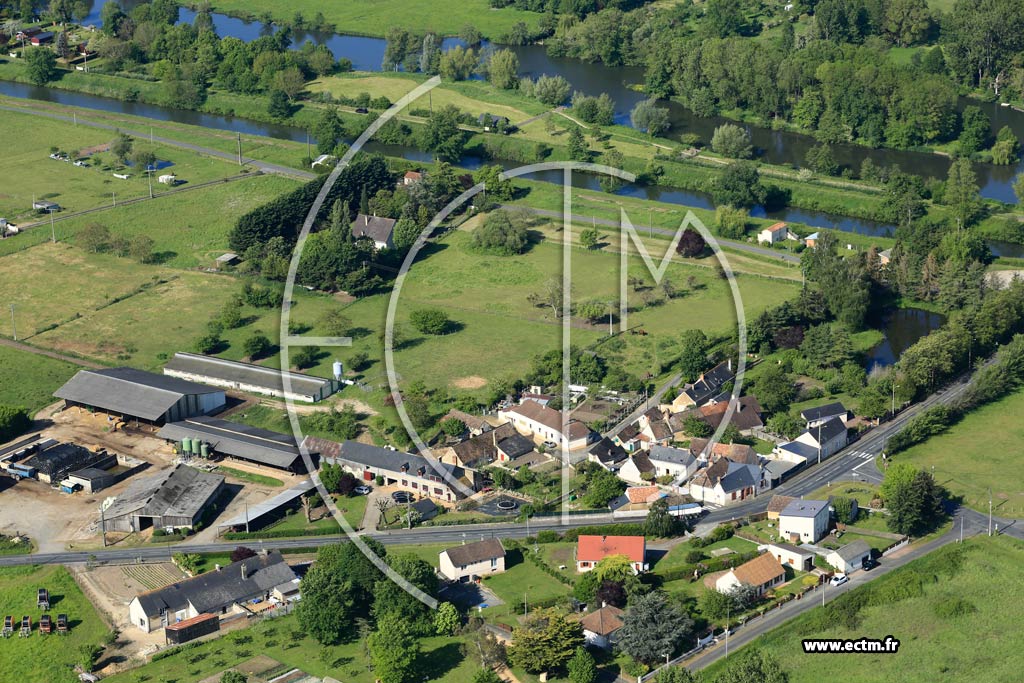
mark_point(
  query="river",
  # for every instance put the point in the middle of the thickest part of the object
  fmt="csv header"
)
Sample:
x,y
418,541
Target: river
x,y
902,328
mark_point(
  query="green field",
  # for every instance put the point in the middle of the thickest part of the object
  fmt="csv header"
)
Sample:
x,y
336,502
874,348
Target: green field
x,y
251,477
375,17
29,380
976,642
29,173
980,454
40,657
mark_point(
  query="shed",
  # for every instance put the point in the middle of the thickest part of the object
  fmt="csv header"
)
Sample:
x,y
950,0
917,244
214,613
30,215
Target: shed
x,y
92,479
190,629
252,444
178,497
249,377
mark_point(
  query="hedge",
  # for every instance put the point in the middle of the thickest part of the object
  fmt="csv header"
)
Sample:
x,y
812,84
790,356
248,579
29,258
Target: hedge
x,y
280,533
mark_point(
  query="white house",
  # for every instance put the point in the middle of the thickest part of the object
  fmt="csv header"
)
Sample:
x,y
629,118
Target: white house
x,y
545,424
763,573
816,443
601,625
473,560
725,482
804,521
677,463
592,549
377,228
788,554
849,557
822,414
635,468
779,232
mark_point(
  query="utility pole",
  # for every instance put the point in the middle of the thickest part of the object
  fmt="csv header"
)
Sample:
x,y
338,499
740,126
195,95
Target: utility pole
x,y
239,149
990,512
894,388
103,525
149,175
728,612
819,443
53,231
113,196
246,516
14,329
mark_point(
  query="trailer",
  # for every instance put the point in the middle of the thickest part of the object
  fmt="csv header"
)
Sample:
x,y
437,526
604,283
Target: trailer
x,y
26,626
20,471
45,624
8,627
62,624
43,599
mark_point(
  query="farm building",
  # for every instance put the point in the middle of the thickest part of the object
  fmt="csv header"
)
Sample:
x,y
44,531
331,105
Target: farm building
x,y
53,461
253,379
190,629
412,473
92,479
251,444
175,498
257,515
139,395
221,591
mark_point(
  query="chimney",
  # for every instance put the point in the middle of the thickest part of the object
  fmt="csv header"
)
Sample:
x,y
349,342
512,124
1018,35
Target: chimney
x,y
217,567
729,364
366,219
244,573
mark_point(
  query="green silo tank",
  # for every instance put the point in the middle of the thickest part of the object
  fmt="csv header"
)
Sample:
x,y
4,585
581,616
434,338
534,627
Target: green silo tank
x,y
204,449
186,446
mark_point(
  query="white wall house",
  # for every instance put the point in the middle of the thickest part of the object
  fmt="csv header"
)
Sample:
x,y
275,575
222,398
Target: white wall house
x,y
473,560
545,424
804,521
849,557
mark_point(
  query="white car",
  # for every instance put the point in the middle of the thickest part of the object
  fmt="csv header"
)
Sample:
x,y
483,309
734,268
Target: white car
x,y
839,580
362,490
81,164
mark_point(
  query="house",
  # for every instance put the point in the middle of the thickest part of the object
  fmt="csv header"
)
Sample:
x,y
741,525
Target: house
x,y
643,495
629,438
492,122
475,425
764,572
822,414
777,232
637,469
141,396
480,451
377,228
804,521
746,417
177,497
811,241
655,427
253,445
788,554
412,473
471,561
816,443
708,386
411,178
537,396
849,557
592,549
41,38
250,378
885,257
601,626
607,454
678,463
724,482
44,205
515,447
544,423
737,452
26,33
777,504
221,591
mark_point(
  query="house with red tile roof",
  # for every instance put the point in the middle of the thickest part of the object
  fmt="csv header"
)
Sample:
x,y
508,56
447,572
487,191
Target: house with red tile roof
x,y
592,549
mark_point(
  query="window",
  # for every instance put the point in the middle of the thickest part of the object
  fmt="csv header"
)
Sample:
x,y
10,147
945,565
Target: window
x,y
494,563
405,483
414,485
438,492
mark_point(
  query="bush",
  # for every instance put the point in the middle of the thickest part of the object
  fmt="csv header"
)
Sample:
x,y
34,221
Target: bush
x,y
13,421
952,607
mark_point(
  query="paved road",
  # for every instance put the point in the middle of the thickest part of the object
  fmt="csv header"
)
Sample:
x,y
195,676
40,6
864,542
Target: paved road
x,y
264,166
653,400
609,223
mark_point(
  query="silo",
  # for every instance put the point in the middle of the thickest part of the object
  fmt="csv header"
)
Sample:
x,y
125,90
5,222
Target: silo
x,y
186,446
204,449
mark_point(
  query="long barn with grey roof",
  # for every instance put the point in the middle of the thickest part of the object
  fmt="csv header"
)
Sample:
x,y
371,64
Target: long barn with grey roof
x,y
176,497
253,379
139,395
252,444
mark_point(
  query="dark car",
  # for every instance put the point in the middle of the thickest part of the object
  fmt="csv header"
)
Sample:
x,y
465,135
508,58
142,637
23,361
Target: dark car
x,y
868,563
362,110
401,497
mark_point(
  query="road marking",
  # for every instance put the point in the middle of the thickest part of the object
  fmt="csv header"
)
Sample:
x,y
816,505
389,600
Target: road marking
x,y
861,465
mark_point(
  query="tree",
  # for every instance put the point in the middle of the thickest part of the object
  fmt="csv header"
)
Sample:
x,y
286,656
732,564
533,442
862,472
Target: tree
x,y
328,131
41,64
974,130
241,553
611,183
551,90
62,47
121,148
458,63
1004,152
13,421
897,474
653,628
233,676
486,676
143,159
306,357
659,522
491,650
140,248
87,655
431,321
774,389
679,674
1018,188
730,221
544,640
694,355
611,593
394,651
649,117
723,18
691,244
582,667
907,21
278,105
732,141
740,186
694,426
962,192
495,186
446,619
208,344
257,346
715,605
578,150
442,134
752,665
334,322
602,486
290,81
94,237
820,160
589,237
785,424
500,234
453,427
915,507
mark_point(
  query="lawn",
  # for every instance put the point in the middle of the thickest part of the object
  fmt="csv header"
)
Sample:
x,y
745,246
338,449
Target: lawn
x,y
40,657
29,173
861,492
980,454
676,557
375,17
250,477
949,611
29,380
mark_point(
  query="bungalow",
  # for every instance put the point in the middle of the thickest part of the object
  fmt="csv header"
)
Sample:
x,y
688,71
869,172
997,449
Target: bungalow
x,y
637,469
709,386
724,482
607,454
470,561
543,423
41,38
592,549
678,463
777,232
822,414
377,228
411,178
601,626
793,556
804,521
850,557
763,573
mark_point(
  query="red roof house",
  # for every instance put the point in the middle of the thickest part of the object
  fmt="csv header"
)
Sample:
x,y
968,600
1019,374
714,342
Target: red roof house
x,y
592,549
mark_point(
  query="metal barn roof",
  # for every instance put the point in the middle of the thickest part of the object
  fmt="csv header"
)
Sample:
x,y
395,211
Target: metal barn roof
x,y
244,373
238,440
178,492
129,391
271,504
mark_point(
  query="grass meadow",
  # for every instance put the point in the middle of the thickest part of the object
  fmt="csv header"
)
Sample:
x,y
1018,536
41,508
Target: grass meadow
x,y
29,380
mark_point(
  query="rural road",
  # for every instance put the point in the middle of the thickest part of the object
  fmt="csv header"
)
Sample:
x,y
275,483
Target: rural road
x,y
608,223
50,354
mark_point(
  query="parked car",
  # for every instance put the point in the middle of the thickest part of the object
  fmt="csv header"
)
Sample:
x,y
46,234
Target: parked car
x,y
550,445
81,164
839,580
868,563
401,497
362,490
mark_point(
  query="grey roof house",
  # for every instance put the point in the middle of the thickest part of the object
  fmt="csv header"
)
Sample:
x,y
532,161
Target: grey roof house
x,y
379,229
